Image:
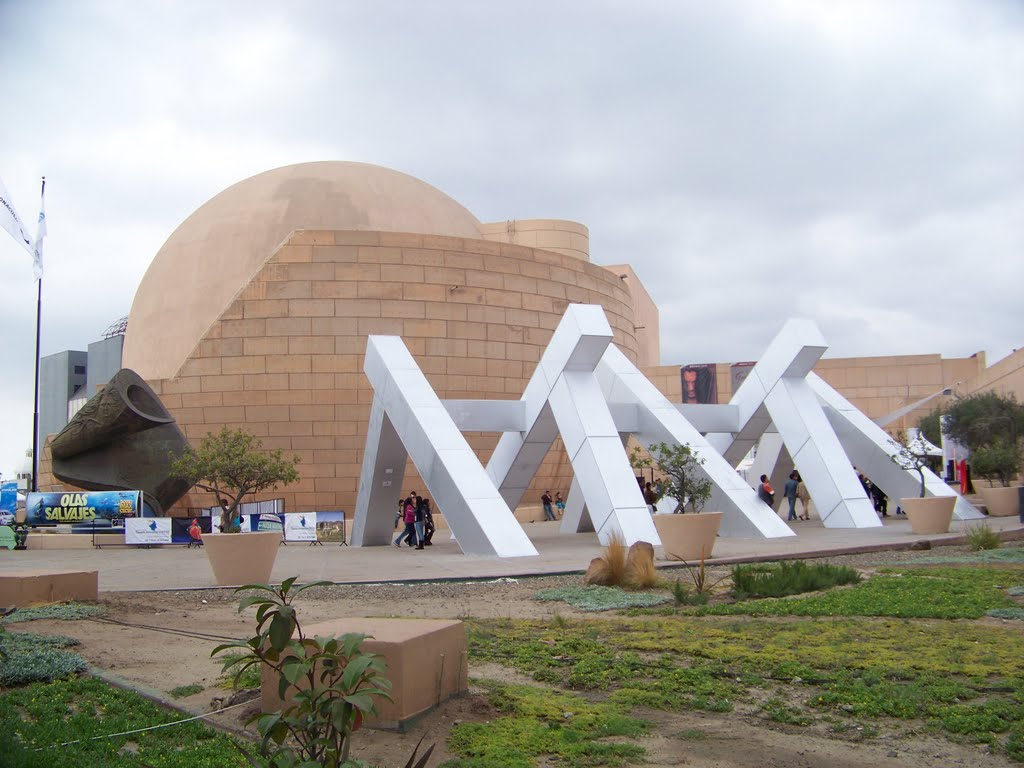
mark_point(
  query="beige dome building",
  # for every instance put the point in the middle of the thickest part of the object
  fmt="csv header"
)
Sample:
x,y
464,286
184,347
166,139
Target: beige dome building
x,y
256,310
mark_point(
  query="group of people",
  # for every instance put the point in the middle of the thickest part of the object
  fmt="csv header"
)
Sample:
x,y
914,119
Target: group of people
x,y
793,490
549,510
415,512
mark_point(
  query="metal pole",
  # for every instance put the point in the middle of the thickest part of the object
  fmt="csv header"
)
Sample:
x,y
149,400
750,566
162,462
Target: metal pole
x,y
35,401
35,414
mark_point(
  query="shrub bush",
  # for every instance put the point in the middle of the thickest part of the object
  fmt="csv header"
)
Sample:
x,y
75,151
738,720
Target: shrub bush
x,y
788,578
30,658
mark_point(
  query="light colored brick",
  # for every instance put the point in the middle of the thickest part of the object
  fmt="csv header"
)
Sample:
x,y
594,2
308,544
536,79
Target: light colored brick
x,y
385,326
249,364
311,345
335,363
201,366
336,254
290,254
352,237
373,290
335,326
311,308
426,328
242,328
291,396
290,364
221,383
401,273
291,289
288,326
265,381
335,289
276,345
377,255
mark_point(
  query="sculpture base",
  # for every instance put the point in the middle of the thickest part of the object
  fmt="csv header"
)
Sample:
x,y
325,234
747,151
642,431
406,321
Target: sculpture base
x,y
932,514
688,537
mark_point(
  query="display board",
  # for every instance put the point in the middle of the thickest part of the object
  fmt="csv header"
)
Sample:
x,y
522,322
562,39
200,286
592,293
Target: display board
x,y
54,508
300,526
147,530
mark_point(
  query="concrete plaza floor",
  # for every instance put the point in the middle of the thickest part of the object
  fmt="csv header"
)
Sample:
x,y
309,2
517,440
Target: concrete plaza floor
x,y
176,567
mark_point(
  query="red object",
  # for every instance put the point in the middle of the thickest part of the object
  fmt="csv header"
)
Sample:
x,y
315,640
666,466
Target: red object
x,y
961,470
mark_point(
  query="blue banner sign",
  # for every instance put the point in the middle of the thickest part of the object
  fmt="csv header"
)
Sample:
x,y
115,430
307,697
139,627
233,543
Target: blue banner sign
x,y
9,497
54,508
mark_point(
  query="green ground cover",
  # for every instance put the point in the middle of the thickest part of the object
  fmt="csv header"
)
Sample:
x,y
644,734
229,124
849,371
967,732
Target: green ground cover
x,y
43,716
904,646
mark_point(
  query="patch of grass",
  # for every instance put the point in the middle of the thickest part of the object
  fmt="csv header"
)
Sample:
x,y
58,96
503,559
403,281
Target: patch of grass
x,y
563,727
684,596
250,677
789,578
31,658
981,537
780,712
44,715
1004,555
59,611
184,691
1013,614
942,593
597,598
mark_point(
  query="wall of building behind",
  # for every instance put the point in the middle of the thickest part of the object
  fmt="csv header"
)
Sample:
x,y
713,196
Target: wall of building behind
x,y
61,376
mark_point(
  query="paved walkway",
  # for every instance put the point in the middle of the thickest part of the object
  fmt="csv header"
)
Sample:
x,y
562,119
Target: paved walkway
x,y
175,567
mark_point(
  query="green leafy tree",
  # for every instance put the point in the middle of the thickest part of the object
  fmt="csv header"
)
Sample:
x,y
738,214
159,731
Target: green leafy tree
x,y
999,461
931,427
985,418
232,465
679,470
991,425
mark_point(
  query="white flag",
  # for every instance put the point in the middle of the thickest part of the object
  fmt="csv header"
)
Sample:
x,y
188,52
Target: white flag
x,y
10,220
37,251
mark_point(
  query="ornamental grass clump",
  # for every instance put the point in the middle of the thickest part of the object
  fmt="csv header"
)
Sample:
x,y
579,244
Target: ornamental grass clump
x,y
788,578
981,537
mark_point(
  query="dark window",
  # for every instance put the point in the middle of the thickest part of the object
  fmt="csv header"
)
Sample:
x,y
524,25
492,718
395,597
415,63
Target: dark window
x,y
80,370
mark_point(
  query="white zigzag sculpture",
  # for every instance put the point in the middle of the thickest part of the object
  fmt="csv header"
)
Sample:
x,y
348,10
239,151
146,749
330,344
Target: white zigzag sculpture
x,y
586,391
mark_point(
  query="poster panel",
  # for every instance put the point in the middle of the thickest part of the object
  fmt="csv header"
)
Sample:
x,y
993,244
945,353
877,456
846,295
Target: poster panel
x,y
700,383
147,530
54,508
300,526
180,526
330,526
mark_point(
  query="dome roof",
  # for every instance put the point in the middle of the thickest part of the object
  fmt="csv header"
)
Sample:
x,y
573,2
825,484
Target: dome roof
x,y
213,254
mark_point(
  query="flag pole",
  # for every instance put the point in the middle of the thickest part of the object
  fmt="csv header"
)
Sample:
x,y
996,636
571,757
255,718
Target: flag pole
x,y
35,414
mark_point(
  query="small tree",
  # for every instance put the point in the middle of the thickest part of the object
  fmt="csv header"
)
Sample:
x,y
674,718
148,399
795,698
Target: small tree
x,y
232,465
931,427
997,461
679,479
905,458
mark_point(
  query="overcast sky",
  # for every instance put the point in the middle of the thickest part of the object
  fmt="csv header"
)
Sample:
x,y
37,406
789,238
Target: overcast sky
x,y
860,163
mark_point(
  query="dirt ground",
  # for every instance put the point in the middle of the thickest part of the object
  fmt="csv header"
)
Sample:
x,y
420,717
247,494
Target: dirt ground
x,y
140,640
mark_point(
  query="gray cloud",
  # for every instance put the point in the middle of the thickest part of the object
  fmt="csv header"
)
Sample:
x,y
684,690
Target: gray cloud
x,y
856,162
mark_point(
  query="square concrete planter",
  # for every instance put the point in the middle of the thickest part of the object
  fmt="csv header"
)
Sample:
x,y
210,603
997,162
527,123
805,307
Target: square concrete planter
x,y
688,537
242,558
426,663
1001,502
932,514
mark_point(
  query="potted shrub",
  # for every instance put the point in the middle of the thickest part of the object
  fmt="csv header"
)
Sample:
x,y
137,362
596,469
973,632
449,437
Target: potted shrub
x,y
231,465
689,537
926,514
991,426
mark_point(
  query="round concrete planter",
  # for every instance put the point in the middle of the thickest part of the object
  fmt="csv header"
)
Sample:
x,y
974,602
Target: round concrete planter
x,y
242,558
688,537
932,514
1001,502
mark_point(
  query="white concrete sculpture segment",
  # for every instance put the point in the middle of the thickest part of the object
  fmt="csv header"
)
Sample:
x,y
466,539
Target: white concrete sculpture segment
x,y
563,397
408,418
585,390
658,420
869,448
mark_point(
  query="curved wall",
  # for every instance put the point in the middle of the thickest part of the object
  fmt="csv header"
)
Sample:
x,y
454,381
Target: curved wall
x,y
214,253
284,360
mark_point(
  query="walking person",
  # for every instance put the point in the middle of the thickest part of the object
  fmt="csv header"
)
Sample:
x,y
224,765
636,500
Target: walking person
x,y
789,491
549,513
805,497
559,503
765,492
428,523
418,521
409,516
